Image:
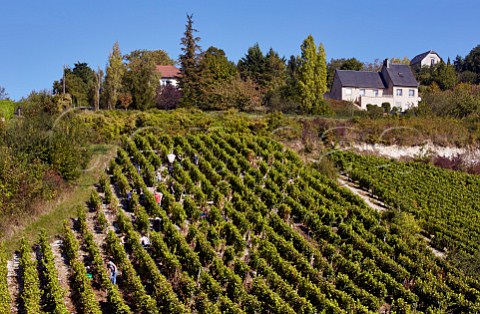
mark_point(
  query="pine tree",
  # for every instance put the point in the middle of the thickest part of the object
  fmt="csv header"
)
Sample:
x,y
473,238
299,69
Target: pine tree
x,y
252,66
189,65
113,79
312,77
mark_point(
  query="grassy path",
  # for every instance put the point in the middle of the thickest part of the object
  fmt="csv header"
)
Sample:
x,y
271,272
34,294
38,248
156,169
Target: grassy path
x,y
64,206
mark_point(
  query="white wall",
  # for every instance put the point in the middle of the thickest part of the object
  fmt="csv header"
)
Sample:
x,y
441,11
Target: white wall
x,y
428,59
173,81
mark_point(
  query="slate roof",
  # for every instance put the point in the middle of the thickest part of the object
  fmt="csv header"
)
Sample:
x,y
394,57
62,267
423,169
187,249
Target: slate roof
x,y
401,75
419,58
361,79
168,71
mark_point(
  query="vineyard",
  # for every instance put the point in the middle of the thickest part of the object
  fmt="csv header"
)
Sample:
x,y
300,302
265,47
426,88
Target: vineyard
x,y
447,203
244,226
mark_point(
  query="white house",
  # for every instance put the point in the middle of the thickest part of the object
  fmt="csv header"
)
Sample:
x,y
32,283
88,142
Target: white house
x,y
169,75
427,58
394,84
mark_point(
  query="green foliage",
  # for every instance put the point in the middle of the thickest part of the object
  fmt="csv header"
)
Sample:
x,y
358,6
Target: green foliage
x,y
30,293
81,283
460,102
216,71
4,294
375,111
53,294
444,76
312,77
342,64
141,79
114,75
7,108
386,107
189,65
253,65
79,83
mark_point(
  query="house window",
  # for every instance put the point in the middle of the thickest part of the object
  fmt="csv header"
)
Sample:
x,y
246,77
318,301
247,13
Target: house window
x,y
399,92
375,93
432,61
411,92
362,92
348,91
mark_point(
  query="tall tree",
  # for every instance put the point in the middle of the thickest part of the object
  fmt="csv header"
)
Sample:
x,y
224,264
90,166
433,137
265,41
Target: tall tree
x,y
114,75
252,66
142,79
216,70
98,87
472,63
312,77
189,64
275,70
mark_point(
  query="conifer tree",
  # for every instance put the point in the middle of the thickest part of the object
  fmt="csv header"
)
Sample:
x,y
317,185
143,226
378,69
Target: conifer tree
x,y
189,65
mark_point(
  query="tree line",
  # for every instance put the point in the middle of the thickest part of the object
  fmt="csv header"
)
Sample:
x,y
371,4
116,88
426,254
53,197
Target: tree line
x,y
207,80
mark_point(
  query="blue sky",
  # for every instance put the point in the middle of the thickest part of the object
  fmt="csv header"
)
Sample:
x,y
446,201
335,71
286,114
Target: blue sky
x,y
38,37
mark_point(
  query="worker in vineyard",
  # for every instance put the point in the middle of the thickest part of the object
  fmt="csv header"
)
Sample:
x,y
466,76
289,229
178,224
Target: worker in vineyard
x,y
113,271
158,198
145,241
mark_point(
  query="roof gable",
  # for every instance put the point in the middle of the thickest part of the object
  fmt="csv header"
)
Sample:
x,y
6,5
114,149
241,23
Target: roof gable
x,y
168,71
420,57
362,79
401,75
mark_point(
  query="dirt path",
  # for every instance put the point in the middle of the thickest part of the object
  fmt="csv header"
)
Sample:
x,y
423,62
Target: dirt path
x,y
12,279
62,269
355,189
378,206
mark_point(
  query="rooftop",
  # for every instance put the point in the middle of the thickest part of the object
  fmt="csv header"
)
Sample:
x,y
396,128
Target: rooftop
x,y
167,71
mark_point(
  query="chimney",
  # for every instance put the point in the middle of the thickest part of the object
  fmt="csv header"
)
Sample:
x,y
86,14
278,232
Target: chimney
x,y
386,63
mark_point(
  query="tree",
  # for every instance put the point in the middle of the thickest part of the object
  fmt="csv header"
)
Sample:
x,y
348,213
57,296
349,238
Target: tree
x,y
405,60
160,57
215,71
441,74
472,60
237,93
141,79
168,97
312,77
79,83
189,65
98,87
444,75
275,70
342,64
114,75
252,66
